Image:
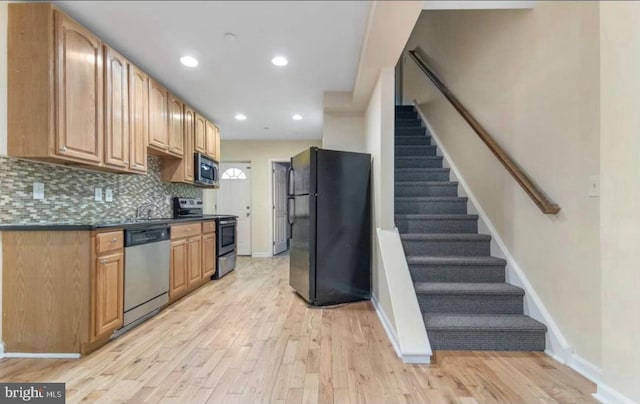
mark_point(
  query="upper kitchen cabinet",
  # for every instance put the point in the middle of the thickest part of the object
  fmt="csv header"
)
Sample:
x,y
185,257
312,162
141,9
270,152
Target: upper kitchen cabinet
x,y
116,114
217,157
174,170
158,114
138,119
55,87
176,127
210,140
200,129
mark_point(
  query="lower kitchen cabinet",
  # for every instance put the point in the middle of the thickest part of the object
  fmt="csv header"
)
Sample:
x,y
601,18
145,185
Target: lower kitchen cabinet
x,y
194,267
208,255
178,269
108,294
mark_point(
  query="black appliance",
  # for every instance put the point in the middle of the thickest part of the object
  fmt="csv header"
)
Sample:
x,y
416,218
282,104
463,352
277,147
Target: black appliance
x,y
226,226
187,207
329,211
206,170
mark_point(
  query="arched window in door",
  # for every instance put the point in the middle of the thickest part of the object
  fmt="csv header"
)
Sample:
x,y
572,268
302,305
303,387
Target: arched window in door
x,y
234,174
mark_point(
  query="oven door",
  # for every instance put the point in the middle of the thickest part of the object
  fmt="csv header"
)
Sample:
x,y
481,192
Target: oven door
x,y
226,236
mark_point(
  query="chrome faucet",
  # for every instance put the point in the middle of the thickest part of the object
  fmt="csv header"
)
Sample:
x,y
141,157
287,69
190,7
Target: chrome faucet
x,y
145,210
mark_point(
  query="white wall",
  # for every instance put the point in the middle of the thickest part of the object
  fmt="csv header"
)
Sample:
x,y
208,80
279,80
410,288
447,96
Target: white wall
x,y
259,153
620,211
531,79
3,117
343,131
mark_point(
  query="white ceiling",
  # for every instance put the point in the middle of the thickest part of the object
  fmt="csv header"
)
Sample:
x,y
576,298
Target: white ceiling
x,y
321,39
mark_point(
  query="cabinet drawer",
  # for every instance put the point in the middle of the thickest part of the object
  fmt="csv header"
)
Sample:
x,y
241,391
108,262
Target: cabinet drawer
x,y
113,240
209,227
186,230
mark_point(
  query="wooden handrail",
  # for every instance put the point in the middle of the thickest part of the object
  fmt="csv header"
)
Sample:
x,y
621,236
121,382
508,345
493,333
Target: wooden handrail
x,y
539,198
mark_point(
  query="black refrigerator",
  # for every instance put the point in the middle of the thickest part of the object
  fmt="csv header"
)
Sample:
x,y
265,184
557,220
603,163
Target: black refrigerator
x,y
329,211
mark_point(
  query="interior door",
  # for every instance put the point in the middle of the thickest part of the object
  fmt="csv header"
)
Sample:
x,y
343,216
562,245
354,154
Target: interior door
x,y
279,208
234,198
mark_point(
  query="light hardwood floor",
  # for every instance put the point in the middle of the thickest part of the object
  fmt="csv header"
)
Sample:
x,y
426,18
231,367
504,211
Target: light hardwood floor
x,y
249,338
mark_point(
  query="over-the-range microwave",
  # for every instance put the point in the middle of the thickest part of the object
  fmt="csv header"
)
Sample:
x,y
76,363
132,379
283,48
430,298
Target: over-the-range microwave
x,y
206,170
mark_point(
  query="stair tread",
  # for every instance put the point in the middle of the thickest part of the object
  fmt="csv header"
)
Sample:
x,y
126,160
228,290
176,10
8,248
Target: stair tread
x,y
456,260
435,216
460,288
418,157
446,236
424,169
482,322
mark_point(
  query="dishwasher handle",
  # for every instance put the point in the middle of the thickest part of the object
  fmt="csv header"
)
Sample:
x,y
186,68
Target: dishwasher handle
x,y
133,237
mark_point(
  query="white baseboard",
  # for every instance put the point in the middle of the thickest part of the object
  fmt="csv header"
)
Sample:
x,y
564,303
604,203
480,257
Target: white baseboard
x,y
585,368
393,337
1,349
261,255
557,345
607,395
27,355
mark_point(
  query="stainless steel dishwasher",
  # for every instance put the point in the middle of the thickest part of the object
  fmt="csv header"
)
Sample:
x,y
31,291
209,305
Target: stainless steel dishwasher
x,y
146,273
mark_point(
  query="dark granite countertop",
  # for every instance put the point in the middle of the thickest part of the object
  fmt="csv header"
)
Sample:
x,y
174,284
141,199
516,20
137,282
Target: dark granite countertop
x,y
113,224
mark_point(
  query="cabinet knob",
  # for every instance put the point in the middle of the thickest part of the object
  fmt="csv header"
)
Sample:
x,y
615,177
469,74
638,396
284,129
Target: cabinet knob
x,y
63,149
103,262
113,240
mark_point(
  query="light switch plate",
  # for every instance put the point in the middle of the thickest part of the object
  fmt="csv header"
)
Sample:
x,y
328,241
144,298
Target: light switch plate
x,y
108,195
98,195
168,200
38,190
594,186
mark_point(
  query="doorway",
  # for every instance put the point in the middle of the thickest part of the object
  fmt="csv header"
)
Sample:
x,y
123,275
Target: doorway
x,y
280,234
234,198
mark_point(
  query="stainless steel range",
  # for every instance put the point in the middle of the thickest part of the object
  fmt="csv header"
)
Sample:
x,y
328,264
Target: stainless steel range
x,y
226,230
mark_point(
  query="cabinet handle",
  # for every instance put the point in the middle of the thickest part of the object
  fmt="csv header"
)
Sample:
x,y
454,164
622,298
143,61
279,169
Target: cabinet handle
x,y
113,240
63,149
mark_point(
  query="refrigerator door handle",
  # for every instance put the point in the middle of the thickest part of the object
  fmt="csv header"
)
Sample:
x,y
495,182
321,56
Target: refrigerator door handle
x,y
291,211
289,179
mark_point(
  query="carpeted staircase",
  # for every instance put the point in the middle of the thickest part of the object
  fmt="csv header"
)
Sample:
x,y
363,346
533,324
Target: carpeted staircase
x,y
461,288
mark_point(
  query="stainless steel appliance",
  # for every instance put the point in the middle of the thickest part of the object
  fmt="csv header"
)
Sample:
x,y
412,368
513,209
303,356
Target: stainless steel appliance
x,y
146,272
206,170
329,211
226,227
225,232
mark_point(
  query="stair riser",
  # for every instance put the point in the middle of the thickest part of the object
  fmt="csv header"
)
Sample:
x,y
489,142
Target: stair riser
x,y
413,140
410,131
405,151
426,190
471,304
418,163
446,248
403,108
457,273
487,340
407,115
421,176
421,207
408,123
436,226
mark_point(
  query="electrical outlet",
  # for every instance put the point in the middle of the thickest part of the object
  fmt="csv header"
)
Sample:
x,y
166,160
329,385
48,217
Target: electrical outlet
x,y
168,200
98,195
38,190
594,186
108,195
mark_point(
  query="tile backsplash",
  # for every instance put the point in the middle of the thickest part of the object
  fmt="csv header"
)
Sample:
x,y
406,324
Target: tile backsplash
x,y
69,193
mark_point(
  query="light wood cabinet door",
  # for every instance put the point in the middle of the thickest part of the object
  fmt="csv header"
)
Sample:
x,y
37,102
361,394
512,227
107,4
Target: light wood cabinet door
x,y
178,268
217,156
138,118
176,126
158,124
109,293
78,92
194,251
210,139
116,115
189,139
200,136
208,255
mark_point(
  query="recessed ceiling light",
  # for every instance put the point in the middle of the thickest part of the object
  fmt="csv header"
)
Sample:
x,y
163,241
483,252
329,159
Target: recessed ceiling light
x,y
241,117
297,117
230,36
266,128
280,61
189,61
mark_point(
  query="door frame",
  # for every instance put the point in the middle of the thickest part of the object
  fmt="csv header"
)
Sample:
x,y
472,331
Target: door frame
x,y
250,163
271,199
